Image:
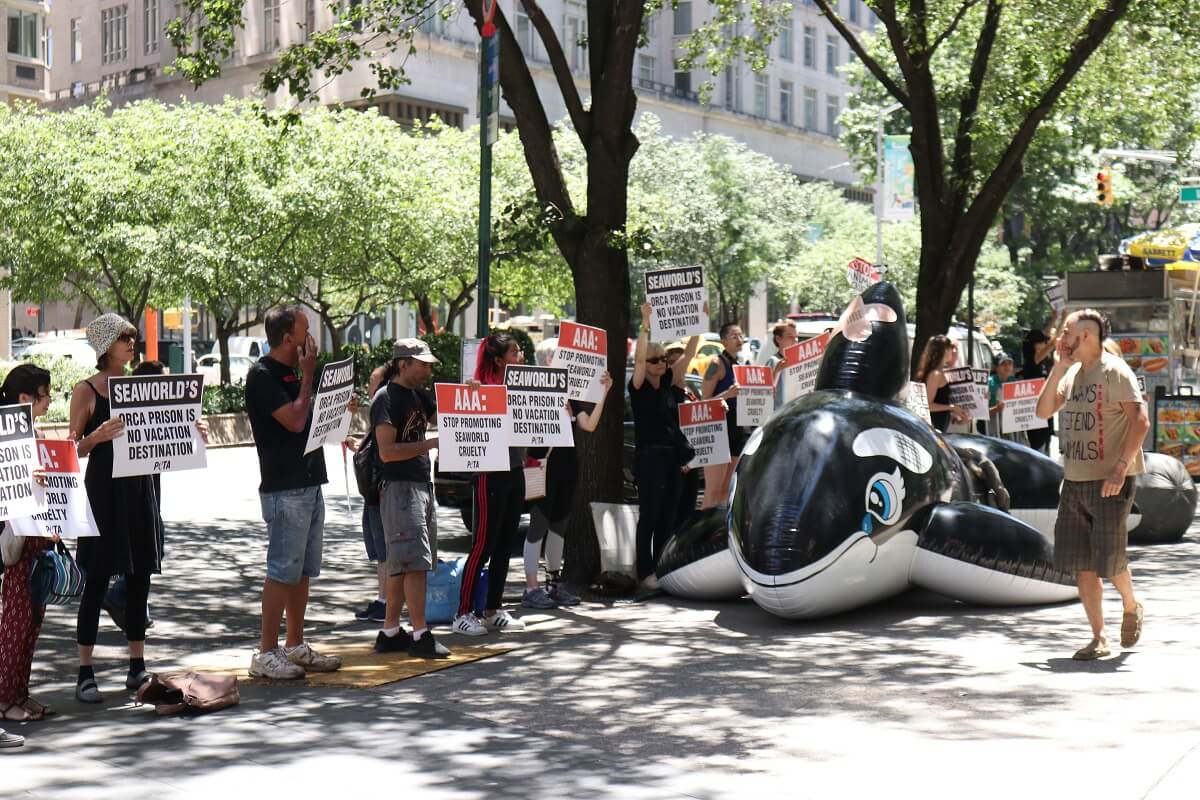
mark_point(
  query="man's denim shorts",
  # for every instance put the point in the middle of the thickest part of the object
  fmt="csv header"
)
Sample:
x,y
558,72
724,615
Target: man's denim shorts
x,y
295,526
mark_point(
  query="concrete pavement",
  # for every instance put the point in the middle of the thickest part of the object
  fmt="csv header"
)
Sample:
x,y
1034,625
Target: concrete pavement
x,y
916,697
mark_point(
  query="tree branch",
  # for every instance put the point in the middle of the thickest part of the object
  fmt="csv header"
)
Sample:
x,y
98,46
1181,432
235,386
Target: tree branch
x,y
562,72
958,18
961,161
873,66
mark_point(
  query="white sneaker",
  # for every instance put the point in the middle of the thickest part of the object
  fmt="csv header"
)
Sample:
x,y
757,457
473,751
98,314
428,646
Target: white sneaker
x,y
311,660
469,625
274,664
502,621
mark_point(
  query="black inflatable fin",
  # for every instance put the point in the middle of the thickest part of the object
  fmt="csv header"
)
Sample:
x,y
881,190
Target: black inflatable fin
x,y
868,352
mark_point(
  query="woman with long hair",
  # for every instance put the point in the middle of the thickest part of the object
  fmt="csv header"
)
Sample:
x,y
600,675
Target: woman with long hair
x,y
21,621
940,354
125,509
499,501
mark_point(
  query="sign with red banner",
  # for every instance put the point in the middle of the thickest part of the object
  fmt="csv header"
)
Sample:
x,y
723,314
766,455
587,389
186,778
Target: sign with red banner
x,y
1020,406
473,428
67,514
756,395
861,274
582,350
705,425
801,362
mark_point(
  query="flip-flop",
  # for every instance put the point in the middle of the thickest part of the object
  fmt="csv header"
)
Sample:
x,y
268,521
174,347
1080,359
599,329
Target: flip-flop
x,y
10,739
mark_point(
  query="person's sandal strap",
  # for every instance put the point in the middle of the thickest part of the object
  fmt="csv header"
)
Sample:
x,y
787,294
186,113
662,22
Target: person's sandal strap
x,y
1131,627
1092,650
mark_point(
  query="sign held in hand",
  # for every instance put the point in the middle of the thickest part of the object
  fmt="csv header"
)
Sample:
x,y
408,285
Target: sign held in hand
x,y
705,425
679,303
582,350
472,428
160,414
801,363
537,407
1020,406
756,395
18,460
67,514
331,406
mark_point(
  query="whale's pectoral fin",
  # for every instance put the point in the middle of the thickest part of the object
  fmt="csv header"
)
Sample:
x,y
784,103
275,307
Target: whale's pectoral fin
x,y
977,554
986,476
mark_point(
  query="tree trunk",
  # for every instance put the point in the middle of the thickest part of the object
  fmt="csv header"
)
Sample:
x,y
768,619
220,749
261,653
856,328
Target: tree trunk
x,y
225,329
425,312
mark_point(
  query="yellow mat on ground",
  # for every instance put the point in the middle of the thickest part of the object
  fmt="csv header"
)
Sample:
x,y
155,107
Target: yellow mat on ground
x,y
363,668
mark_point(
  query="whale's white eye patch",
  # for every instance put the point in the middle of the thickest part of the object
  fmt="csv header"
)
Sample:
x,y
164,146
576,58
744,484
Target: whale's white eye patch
x,y
900,447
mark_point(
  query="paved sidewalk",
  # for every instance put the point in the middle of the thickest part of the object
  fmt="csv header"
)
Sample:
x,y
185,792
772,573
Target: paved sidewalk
x,y
917,697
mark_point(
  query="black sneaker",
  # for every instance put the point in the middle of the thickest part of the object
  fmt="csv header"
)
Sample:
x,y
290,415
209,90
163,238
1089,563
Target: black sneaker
x,y
428,647
393,644
374,612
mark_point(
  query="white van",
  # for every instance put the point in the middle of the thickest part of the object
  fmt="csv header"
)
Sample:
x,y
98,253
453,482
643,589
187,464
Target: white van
x,y
253,347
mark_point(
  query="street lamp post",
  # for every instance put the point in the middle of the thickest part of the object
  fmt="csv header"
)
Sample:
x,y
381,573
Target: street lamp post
x,y
883,113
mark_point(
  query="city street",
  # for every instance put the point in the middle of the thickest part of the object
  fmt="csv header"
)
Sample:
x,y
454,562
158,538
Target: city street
x,y
918,697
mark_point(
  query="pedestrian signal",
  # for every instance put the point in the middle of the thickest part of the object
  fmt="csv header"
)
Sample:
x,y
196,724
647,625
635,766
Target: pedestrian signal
x,y
1104,192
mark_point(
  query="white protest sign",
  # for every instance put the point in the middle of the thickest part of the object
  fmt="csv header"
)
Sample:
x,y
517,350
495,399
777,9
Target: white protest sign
x,y
862,274
801,362
582,350
468,358
1057,295
68,514
679,303
968,390
160,413
705,426
756,395
1020,406
537,407
917,401
18,460
472,428
331,406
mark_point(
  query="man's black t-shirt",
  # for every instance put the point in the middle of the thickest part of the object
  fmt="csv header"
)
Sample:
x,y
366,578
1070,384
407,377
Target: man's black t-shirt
x,y
409,412
282,464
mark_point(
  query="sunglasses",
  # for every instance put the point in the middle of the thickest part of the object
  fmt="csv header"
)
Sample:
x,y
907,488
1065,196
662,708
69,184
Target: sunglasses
x,y
656,360
127,338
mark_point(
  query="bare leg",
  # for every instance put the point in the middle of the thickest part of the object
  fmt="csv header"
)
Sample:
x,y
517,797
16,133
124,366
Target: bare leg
x,y
1124,584
381,571
414,590
85,655
275,595
714,476
1091,593
395,601
297,603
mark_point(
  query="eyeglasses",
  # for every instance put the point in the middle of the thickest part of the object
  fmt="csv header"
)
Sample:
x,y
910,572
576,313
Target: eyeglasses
x,y
656,360
127,338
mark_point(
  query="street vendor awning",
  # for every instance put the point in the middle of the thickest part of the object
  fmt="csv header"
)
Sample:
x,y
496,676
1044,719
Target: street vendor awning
x,y
1167,247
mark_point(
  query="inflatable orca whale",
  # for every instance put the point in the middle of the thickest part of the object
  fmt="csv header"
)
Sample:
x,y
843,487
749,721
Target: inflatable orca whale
x,y
845,498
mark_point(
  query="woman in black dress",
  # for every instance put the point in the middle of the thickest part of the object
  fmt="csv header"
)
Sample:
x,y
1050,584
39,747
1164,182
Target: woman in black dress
x,y
126,511
940,354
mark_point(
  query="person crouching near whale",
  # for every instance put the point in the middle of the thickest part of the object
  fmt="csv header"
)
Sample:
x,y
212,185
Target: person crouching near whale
x,y
1103,423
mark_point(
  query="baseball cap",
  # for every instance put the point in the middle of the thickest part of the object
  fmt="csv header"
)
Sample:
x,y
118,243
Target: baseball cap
x,y
413,348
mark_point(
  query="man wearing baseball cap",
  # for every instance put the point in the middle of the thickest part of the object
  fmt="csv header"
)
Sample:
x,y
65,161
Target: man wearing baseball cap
x,y
400,412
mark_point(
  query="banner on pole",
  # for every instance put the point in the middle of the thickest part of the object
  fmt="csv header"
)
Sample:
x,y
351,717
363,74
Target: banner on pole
x,y
899,195
679,302
472,428
160,414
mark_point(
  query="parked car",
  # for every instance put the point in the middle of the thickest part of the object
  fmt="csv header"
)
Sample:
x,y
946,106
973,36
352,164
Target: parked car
x,y
210,367
21,344
74,348
254,347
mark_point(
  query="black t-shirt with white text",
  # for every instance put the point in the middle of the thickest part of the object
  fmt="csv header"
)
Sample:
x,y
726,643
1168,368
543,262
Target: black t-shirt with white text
x,y
409,412
282,465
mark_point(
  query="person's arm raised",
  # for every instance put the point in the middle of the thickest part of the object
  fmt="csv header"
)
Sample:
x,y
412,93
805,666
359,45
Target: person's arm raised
x,y
639,353
294,415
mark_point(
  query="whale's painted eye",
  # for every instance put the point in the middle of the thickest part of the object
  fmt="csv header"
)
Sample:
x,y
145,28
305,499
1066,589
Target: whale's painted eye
x,y
885,496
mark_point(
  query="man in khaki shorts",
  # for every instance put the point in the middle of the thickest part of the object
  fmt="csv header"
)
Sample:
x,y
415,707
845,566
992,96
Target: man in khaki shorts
x,y
1102,425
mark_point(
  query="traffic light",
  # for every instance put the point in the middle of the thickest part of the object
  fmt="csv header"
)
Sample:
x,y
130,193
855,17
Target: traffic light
x,y
1104,191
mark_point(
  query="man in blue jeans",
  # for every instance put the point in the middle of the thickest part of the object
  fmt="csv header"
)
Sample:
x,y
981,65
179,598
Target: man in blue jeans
x,y
279,404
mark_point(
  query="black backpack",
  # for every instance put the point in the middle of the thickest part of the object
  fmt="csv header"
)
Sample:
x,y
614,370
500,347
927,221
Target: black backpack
x,y
367,469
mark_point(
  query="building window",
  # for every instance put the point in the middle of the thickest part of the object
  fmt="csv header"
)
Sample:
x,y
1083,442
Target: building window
x,y
270,25
645,70
574,36
786,49
310,18
786,92
24,33
761,86
651,23
831,54
810,109
832,108
683,81
114,34
733,88
855,12
683,18
526,35
810,47
76,41
150,19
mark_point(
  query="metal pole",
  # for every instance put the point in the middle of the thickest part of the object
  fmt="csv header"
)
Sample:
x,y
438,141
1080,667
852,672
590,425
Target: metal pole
x,y
187,333
971,321
879,188
488,45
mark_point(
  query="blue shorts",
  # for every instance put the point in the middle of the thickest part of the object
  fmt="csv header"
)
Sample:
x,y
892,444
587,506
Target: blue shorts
x,y
295,527
373,536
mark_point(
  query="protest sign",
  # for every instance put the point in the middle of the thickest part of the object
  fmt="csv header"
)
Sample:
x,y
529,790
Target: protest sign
x,y
1057,295
18,460
537,407
756,395
472,428
583,351
160,414
862,274
705,426
801,362
917,401
67,514
679,303
1020,406
968,390
468,358
331,406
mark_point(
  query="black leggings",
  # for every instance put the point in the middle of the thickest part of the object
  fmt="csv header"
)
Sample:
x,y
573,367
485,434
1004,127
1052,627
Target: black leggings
x,y
95,586
499,501
659,483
